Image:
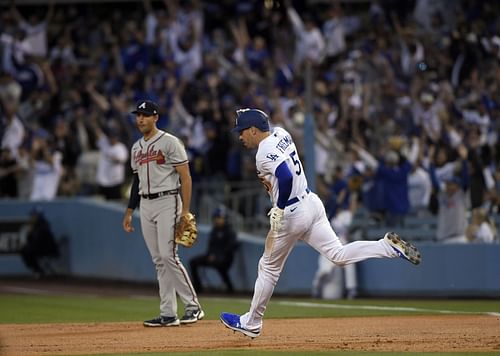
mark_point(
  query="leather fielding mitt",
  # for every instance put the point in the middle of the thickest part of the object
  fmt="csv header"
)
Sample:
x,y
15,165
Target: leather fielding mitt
x,y
186,231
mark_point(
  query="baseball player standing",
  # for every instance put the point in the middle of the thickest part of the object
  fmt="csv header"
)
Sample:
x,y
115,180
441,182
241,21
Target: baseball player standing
x,y
163,185
297,214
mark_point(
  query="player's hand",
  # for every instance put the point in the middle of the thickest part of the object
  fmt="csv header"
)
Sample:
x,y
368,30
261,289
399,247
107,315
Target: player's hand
x,y
127,222
276,218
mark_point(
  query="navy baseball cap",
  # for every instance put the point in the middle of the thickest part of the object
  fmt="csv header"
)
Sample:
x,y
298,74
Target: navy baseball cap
x,y
147,107
220,211
251,117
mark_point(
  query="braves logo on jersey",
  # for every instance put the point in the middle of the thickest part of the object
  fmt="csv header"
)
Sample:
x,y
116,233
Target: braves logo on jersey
x,y
152,155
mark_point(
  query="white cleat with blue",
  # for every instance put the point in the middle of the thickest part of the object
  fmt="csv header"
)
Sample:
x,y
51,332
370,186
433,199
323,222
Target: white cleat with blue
x,y
232,321
404,249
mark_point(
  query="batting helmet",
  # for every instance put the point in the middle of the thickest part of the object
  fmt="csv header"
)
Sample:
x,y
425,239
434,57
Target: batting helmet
x,y
251,118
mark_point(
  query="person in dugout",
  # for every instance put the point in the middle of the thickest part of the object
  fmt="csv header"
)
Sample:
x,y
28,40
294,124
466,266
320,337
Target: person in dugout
x,y
220,252
40,243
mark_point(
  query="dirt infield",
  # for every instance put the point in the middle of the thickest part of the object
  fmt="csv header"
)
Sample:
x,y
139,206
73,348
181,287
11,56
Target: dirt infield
x,y
394,333
413,334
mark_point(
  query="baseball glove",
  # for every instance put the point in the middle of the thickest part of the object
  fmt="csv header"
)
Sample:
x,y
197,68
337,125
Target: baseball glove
x,y
186,231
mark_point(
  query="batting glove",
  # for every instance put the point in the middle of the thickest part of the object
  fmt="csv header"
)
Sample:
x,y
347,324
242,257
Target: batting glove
x,y
275,218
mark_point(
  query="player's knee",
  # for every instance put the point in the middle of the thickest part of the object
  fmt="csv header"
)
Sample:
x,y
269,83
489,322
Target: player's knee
x,y
159,265
167,260
337,257
269,271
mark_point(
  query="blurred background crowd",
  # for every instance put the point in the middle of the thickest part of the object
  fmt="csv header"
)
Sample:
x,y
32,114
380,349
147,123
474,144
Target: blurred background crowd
x,y
406,97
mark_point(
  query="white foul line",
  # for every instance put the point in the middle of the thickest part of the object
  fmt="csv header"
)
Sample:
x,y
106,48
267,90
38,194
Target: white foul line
x,y
377,307
366,307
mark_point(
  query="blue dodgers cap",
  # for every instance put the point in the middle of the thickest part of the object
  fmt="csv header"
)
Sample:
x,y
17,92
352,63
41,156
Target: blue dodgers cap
x,y
251,118
147,107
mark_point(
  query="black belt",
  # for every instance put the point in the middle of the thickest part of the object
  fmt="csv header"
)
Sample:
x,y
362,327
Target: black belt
x,y
160,194
296,199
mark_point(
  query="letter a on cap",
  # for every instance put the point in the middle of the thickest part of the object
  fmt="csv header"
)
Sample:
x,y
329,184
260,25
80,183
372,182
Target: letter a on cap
x,y
142,106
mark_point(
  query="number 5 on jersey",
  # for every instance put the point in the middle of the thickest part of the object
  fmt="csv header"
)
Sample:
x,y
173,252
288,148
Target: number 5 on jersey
x,y
296,162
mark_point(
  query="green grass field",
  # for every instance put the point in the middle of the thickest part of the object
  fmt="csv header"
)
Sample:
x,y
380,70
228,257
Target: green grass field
x,y
61,309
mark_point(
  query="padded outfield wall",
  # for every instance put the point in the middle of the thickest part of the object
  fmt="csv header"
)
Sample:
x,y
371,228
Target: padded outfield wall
x,y
97,247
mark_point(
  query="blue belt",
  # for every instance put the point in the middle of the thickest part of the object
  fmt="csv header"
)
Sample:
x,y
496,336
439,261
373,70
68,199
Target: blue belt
x,y
296,199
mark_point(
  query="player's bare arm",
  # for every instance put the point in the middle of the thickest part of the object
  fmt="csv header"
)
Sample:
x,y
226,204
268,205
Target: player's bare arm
x,y
186,186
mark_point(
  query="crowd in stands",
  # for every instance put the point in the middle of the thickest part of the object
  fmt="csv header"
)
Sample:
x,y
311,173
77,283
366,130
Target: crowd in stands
x,y
406,95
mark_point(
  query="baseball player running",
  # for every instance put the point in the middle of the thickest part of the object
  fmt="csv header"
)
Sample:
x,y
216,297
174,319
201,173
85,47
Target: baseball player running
x,y
162,183
297,214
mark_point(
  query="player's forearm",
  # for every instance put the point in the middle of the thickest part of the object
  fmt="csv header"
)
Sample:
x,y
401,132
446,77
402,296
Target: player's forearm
x,y
186,186
129,212
186,191
186,199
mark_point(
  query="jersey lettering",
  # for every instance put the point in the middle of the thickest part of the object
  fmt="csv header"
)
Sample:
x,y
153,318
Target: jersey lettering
x,y
152,155
284,143
272,156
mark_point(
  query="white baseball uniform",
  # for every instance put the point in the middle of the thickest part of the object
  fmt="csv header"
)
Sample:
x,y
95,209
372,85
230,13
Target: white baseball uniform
x,y
155,160
304,219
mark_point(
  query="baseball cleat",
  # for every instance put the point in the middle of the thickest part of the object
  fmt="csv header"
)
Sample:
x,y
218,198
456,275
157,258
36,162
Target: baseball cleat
x,y
162,321
192,316
232,321
404,249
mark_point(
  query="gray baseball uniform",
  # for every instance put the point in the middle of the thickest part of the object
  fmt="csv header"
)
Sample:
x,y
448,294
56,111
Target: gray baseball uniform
x,y
154,161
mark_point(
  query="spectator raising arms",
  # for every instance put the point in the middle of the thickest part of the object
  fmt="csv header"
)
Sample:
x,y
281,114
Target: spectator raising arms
x,y
378,71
